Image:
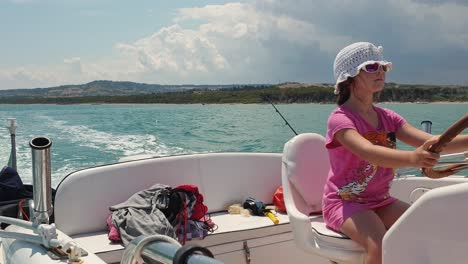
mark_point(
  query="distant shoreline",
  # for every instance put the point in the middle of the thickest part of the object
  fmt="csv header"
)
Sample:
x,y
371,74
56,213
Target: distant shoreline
x,y
233,103
279,103
437,102
105,92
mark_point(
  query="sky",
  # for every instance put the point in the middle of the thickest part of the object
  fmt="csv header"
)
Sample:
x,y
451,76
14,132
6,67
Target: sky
x,y
45,43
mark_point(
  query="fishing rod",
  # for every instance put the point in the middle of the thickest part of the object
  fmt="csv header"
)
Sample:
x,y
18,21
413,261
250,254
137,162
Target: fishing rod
x,y
287,123
12,128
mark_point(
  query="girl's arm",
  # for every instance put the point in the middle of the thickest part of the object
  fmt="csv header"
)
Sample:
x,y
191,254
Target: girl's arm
x,y
387,157
458,144
415,137
412,136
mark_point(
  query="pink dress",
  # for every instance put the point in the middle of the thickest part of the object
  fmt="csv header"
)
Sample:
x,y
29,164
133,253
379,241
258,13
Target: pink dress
x,y
354,184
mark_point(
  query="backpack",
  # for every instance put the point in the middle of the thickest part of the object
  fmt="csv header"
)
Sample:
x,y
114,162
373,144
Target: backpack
x,y
184,206
199,209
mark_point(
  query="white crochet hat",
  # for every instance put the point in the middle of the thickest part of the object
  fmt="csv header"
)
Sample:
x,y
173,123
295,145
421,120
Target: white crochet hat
x,y
351,59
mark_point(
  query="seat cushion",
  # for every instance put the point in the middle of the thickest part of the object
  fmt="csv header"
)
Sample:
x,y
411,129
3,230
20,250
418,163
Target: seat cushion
x,y
230,228
321,228
330,238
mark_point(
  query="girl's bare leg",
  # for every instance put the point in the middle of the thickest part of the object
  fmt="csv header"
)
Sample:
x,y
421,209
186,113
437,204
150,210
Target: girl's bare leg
x,y
390,213
367,229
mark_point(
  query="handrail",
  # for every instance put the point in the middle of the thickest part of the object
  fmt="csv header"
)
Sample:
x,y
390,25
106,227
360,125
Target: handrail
x,y
166,250
43,234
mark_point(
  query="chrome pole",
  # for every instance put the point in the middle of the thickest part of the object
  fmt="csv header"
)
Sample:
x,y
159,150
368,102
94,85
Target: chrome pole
x,y
426,126
159,249
42,187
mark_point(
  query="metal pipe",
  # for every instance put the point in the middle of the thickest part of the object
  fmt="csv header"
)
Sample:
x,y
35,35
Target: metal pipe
x,y
426,126
12,128
158,249
42,187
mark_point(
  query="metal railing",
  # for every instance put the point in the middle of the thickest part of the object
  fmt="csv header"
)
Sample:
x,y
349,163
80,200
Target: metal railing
x,y
166,250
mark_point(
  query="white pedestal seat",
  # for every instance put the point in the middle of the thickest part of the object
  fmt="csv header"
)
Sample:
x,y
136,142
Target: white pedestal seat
x,y
305,167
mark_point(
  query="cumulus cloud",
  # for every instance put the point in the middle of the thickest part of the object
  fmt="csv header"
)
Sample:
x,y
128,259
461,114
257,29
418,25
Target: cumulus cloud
x,y
234,43
269,41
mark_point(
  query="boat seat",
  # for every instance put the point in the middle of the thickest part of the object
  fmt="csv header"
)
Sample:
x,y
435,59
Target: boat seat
x,y
231,229
305,167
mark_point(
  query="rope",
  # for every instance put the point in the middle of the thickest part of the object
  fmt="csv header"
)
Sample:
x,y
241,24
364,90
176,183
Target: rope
x,y
20,207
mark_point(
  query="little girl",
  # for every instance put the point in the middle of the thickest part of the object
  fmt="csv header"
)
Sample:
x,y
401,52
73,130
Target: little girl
x,y
361,140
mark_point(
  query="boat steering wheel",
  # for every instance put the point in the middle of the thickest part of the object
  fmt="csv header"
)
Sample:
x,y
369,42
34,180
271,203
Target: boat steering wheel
x,y
451,132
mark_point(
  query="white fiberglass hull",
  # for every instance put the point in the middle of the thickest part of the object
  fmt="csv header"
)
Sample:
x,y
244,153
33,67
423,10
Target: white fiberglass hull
x,y
83,199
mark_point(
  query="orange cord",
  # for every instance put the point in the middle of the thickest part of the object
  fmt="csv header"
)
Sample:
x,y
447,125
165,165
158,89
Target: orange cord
x,y
20,205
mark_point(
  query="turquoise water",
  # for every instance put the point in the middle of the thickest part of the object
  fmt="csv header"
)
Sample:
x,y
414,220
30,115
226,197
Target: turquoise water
x,y
90,135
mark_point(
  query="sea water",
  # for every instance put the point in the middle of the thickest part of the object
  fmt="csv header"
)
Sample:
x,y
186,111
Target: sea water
x,y
90,135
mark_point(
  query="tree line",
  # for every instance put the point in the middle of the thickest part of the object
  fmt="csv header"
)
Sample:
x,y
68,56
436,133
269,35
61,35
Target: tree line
x,y
257,95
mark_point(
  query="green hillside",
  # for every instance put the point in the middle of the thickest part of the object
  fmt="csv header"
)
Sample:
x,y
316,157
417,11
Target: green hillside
x,y
246,94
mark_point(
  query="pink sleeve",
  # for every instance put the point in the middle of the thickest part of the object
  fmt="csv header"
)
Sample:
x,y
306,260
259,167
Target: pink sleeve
x,y
396,119
336,122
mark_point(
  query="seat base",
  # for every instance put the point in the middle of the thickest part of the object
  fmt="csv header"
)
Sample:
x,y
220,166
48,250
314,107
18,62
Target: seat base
x,y
327,237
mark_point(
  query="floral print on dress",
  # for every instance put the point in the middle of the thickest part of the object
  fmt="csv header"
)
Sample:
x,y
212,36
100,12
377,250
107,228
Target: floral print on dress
x,y
364,173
